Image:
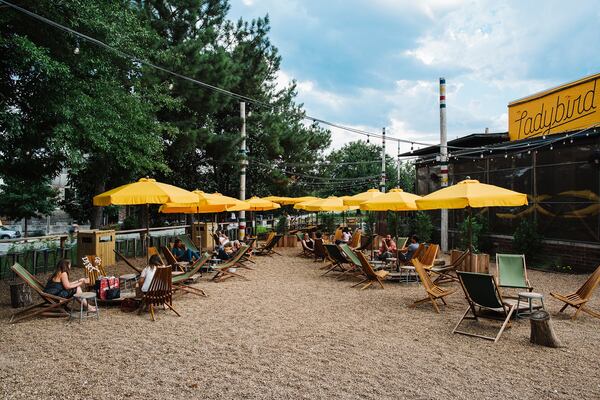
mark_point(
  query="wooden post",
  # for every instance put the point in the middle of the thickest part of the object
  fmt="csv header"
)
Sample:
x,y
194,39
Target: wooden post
x,y
541,330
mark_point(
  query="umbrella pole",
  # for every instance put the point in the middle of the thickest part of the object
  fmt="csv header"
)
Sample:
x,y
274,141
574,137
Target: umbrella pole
x,y
470,230
147,230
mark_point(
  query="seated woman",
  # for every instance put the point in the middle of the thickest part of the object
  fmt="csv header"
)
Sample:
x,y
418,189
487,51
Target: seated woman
x,y
223,239
308,241
229,251
147,274
59,285
181,253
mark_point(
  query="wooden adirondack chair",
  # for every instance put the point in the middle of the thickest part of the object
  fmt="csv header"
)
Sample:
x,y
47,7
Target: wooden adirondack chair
x,y
580,298
335,258
337,235
306,251
52,306
269,247
434,292
160,292
355,240
371,276
319,250
93,269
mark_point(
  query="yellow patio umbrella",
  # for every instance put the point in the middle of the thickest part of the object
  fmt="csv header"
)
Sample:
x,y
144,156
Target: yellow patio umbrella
x,y
296,200
281,200
257,204
471,193
394,200
357,199
207,203
145,191
331,203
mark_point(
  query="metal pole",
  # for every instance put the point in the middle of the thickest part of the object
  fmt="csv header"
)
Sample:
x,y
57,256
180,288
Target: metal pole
x,y
398,166
443,161
382,184
243,164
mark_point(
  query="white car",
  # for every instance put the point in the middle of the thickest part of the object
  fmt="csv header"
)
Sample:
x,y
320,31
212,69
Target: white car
x,y
6,233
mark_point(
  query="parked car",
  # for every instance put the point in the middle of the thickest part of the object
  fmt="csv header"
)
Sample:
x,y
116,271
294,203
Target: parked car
x,y
6,233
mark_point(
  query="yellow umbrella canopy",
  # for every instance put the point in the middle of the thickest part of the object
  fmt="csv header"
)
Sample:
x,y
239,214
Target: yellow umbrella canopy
x,y
303,199
331,203
207,203
258,204
394,200
357,199
144,191
282,200
471,193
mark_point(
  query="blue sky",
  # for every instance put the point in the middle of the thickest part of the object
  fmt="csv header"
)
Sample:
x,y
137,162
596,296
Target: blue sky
x,y
376,63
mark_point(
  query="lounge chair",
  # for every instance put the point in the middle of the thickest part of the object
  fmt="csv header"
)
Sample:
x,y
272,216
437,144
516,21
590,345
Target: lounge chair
x,y
580,298
223,270
401,242
172,261
269,247
447,273
319,250
306,251
512,271
354,262
371,276
355,240
52,306
336,259
434,292
189,243
179,281
129,264
160,292
154,251
482,293
367,244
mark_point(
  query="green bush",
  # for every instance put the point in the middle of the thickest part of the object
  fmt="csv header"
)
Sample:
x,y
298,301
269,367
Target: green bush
x,y
281,225
476,232
527,240
328,220
130,222
422,226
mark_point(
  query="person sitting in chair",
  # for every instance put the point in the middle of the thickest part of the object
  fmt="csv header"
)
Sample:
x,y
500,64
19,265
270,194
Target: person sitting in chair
x,y
147,274
387,249
346,236
230,249
59,284
181,253
308,241
407,252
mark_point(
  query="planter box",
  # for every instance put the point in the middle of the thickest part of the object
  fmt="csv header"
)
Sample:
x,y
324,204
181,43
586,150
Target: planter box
x,y
473,263
288,241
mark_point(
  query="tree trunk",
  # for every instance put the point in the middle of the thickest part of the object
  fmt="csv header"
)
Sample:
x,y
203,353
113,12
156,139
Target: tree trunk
x,y
97,211
541,330
25,229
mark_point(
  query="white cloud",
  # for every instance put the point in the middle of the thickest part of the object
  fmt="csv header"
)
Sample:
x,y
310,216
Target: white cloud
x,y
248,3
429,8
311,94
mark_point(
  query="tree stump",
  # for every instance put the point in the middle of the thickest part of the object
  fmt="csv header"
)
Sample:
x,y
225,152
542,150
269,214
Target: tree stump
x,y
20,295
541,330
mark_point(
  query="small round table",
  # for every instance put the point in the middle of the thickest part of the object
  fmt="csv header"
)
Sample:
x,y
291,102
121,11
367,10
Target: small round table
x,y
129,281
529,297
88,296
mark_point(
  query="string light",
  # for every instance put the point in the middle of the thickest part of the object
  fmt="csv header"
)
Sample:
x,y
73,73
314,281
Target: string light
x,y
412,145
368,139
481,155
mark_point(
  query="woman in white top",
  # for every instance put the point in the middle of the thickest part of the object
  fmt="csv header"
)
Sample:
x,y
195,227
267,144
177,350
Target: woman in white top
x,y
148,273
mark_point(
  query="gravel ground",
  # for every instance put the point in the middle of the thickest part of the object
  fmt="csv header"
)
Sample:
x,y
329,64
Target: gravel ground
x,y
290,333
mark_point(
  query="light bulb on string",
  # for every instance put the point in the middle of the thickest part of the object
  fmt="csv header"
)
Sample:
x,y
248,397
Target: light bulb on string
x,y
368,139
551,147
481,155
571,141
505,155
412,147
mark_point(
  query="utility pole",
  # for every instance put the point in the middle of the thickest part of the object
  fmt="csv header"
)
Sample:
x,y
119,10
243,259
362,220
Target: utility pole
x,y
443,161
243,165
382,184
398,167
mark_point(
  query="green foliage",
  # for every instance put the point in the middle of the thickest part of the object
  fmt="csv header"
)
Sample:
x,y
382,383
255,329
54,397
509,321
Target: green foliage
x,y
527,240
328,222
350,165
26,199
130,222
281,226
476,232
422,226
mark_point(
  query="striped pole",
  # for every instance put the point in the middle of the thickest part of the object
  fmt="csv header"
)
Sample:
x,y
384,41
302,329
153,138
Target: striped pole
x,y
443,162
383,175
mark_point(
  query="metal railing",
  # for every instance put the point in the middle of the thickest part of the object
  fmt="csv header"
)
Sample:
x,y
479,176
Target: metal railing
x,y
41,254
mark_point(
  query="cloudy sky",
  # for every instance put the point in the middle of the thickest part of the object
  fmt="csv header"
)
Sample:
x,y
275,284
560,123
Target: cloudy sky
x,y
376,63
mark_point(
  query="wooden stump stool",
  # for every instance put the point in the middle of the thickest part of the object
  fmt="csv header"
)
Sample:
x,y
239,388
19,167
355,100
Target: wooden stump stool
x,y
20,294
541,330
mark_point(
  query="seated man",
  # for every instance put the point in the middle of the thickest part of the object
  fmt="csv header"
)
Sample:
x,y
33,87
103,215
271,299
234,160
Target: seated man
x,y
407,252
387,249
181,253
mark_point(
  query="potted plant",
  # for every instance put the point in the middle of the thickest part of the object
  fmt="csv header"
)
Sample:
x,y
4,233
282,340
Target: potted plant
x,y
471,232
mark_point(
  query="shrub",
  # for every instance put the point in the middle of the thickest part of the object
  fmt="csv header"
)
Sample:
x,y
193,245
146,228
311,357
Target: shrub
x,y
281,225
422,226
477,230
527,240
